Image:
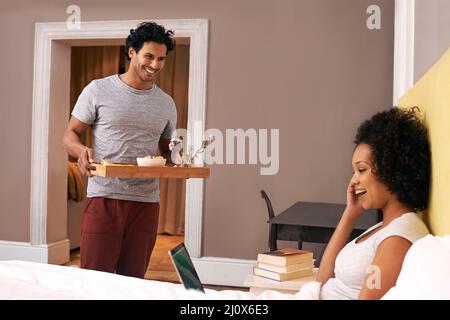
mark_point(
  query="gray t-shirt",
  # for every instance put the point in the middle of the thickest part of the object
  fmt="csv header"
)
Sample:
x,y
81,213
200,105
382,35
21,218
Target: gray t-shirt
x,y
127,123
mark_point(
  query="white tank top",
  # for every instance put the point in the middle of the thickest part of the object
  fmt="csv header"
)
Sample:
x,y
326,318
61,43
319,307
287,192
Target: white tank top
x,y
353,262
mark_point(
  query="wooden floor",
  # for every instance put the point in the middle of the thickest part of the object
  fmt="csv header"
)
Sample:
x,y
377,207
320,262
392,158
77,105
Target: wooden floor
x,y
160,267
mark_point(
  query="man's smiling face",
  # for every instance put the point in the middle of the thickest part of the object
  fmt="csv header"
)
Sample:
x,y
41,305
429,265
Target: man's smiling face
x,y
148,61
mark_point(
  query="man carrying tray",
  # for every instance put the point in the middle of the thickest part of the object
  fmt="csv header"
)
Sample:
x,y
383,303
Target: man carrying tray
x,y
130,117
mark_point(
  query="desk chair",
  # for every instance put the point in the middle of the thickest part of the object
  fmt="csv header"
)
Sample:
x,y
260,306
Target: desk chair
x,y
273,228
312,222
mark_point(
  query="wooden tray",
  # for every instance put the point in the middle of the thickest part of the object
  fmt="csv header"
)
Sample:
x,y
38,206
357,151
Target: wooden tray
x,y
134,171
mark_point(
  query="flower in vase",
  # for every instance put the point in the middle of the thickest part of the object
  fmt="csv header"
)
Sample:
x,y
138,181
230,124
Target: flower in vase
x,y
174,142
188,158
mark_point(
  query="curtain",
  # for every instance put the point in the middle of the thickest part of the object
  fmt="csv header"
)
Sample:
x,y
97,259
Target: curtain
x,y
90,63
174,80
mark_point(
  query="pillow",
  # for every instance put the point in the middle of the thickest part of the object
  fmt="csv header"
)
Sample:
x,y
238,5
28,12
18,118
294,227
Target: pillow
x,y
425,271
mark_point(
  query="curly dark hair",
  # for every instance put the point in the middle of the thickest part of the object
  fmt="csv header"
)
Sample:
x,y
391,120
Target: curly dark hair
x,y
400,153
149,31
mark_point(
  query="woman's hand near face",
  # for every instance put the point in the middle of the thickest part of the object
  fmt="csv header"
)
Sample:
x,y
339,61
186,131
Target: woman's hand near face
x,y
341,234
354,208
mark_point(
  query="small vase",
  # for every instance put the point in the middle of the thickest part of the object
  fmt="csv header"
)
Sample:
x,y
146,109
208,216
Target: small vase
x,y
186,161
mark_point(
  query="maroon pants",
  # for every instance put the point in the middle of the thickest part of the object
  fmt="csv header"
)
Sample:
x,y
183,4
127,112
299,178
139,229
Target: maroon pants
x,y
118,235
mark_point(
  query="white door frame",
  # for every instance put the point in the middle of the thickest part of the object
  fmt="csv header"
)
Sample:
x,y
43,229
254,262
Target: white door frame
x,y
45,34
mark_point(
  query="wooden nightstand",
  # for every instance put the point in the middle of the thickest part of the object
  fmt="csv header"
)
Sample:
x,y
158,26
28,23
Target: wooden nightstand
x,y
259,284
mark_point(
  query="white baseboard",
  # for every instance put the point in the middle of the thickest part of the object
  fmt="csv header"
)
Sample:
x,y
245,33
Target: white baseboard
x,y
223,271
53,253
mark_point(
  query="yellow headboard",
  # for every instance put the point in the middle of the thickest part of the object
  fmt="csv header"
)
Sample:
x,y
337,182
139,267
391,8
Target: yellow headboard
x,y
432,95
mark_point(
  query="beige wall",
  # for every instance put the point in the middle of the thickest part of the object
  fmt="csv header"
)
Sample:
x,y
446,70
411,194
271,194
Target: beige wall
x,y
310,68
431,33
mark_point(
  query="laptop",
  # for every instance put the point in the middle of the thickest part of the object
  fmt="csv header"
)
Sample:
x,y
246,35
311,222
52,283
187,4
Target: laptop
x,y
185,268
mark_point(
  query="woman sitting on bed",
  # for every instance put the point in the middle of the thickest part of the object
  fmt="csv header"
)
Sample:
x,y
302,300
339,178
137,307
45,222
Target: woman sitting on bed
x,y
391,164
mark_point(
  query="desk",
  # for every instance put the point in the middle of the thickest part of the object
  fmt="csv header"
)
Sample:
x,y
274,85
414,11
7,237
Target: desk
x,y
314,222
258,285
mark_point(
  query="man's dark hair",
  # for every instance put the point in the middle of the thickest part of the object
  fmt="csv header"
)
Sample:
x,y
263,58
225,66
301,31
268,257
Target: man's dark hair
x,y
148,31
400,154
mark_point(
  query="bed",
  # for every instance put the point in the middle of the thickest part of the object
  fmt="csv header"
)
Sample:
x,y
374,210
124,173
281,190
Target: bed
x,y
424,275
38,281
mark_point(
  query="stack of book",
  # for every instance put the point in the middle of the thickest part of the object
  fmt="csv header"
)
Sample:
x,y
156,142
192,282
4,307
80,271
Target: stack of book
x,y
284,264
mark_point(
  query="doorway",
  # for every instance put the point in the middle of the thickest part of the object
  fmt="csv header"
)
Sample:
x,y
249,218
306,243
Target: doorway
x,y
53,42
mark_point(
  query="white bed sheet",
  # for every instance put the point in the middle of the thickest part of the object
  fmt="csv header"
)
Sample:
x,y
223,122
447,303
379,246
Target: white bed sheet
x,y
30,280
425,275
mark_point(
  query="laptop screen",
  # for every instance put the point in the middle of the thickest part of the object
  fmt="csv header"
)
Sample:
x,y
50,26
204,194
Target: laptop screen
x,y
185,268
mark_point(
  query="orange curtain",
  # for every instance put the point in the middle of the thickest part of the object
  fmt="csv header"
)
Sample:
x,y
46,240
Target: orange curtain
x,y
174,80
90,63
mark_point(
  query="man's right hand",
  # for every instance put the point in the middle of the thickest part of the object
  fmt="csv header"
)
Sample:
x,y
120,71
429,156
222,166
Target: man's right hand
x,y
84,162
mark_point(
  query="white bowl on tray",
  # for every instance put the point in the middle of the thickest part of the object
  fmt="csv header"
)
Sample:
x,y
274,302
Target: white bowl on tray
x,y
151,162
